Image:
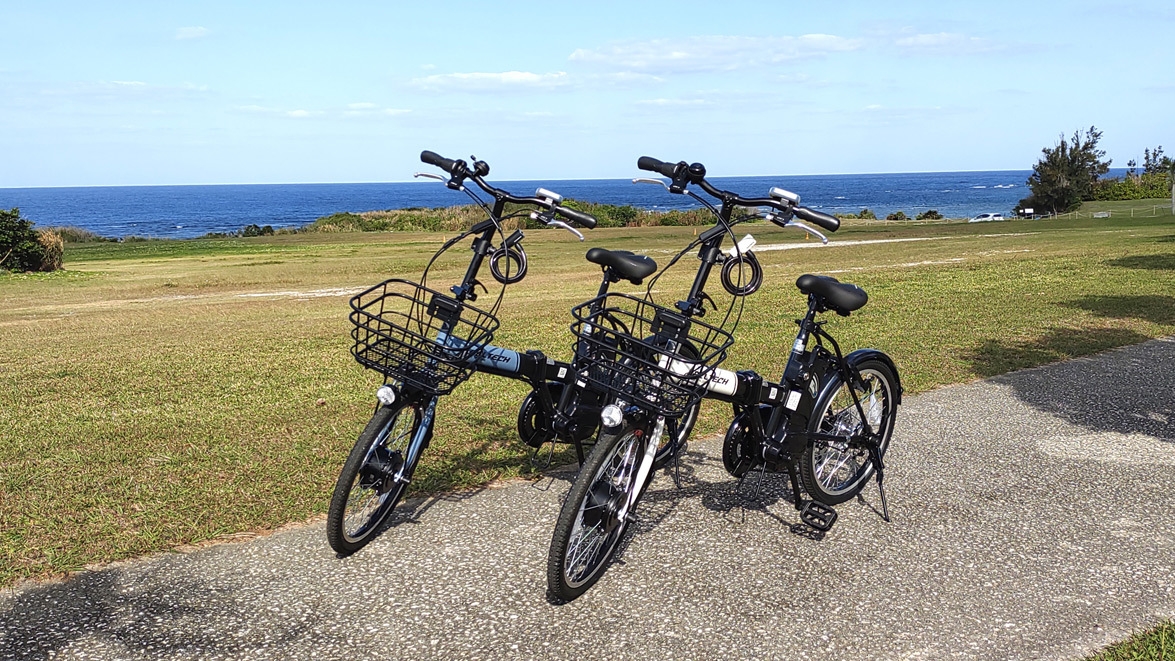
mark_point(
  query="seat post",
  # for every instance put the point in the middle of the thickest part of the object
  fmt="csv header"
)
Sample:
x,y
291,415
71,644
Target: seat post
x,y
609,277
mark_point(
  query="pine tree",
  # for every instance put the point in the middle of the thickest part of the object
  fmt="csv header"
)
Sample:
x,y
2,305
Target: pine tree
x,y
1066,174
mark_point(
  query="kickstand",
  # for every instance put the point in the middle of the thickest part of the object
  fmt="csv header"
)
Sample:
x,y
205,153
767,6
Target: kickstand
x,y
677,470
879,470
550,457
759,482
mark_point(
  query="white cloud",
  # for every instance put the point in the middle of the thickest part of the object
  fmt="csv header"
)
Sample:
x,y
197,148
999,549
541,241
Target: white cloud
x,y
712,53
371,110
484,82
191,33
129,83
302,113
946,43
673,102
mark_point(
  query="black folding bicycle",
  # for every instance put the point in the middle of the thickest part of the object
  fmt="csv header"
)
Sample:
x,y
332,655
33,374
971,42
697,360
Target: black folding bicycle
x,y
827,422
425,343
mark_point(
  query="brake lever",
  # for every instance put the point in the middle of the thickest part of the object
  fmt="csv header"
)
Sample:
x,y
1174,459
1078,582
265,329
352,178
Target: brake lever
x,y
645,180
569,228
430,176
807,228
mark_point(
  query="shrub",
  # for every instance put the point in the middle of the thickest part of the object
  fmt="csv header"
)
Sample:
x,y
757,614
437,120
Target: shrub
x,y
20,247
1133,187
897,215
931,214
71,234
254,230
53,249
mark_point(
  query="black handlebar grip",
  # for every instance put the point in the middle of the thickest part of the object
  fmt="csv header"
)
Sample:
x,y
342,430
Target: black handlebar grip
x,y
433,158
830,223
653,165
578,217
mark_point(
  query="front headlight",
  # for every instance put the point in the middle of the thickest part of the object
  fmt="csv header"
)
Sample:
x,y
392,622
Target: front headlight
x,y
611,416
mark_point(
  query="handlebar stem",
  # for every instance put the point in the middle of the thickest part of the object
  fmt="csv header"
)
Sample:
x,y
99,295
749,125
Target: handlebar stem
x,y
481,247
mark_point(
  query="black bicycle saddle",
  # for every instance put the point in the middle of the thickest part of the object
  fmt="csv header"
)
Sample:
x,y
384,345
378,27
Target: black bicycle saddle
x,y
838,296
630,266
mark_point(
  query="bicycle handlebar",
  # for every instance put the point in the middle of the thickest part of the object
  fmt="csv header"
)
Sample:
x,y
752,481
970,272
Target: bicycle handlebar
x,y
653,165
683,174
579,217
459,171
828,222
433,158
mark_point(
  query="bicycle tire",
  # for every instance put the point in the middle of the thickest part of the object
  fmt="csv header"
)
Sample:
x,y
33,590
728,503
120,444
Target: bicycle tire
x,y
362,497
588,515
833,473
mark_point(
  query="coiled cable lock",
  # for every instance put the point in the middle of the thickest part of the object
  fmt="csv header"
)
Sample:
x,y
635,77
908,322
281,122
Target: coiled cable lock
x,y
511,251
736,265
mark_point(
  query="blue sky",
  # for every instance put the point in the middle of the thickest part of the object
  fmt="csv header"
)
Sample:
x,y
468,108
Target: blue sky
x,y
216,92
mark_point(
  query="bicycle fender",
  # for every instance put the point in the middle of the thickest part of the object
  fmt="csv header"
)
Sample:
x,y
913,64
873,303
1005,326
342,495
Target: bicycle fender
x,y
861,355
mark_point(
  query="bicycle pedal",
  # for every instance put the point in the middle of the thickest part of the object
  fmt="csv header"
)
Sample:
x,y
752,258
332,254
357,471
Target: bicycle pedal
x,y
818,515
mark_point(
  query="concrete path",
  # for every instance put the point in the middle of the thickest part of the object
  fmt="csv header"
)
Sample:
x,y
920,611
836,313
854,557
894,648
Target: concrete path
x,y
1034,518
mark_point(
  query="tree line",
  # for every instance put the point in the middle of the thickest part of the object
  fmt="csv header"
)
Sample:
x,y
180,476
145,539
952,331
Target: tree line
x,y
1071,172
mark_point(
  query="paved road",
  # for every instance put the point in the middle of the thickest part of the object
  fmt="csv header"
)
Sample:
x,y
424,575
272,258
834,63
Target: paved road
x,y
1033,518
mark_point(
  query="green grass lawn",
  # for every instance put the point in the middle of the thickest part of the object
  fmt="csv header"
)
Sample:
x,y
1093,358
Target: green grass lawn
x,y
162,393
1154,644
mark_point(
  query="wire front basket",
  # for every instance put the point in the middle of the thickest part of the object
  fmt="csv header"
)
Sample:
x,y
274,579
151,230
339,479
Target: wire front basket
x,y
422,338
650,356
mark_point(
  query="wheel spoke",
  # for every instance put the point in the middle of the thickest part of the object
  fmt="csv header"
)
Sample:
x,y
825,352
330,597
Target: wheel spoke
x,y
836,469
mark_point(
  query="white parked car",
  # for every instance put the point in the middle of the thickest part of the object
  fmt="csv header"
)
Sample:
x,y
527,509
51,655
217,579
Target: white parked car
x,y
984,217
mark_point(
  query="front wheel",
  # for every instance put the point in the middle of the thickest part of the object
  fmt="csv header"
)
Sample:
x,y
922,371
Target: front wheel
x,y
366,491
835,471
590,525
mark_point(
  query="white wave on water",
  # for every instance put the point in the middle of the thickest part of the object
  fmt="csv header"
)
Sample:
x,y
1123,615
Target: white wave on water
x,y
1004,186
979,187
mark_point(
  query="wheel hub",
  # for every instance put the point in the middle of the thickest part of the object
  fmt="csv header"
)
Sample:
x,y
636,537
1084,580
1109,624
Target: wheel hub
x,y
603,507
380,470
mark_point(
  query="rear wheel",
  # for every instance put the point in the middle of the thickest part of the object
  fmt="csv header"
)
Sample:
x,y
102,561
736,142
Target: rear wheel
x,y
366,492
834,472
589,527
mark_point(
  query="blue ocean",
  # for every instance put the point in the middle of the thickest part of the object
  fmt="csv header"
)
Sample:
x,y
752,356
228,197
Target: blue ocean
x,y
192,211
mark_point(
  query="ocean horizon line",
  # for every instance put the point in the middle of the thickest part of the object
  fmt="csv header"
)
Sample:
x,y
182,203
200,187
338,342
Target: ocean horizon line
x,y
494,179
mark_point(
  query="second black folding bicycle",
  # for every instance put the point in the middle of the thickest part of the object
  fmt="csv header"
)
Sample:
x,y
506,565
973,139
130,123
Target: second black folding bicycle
x,y
827,423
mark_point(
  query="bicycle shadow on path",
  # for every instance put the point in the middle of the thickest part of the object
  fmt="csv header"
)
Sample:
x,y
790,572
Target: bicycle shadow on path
x,y
117,607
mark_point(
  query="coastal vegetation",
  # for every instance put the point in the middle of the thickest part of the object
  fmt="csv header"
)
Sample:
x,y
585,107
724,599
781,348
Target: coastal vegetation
x,y
1070,172
457,218
24,248
173,392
